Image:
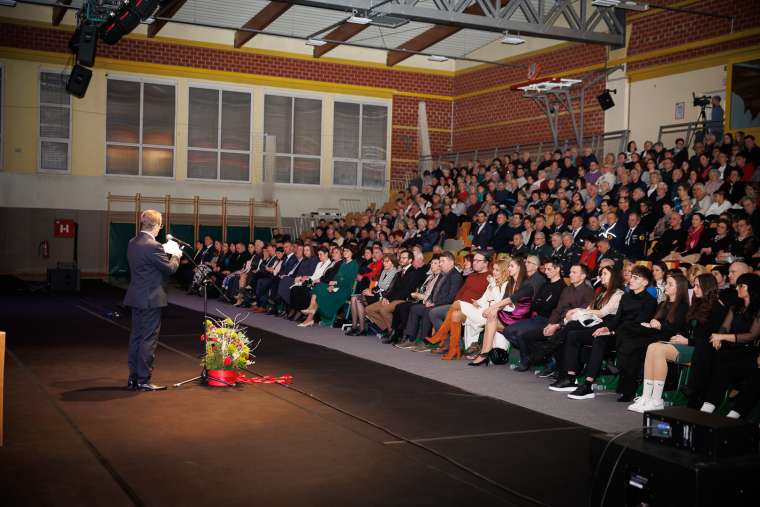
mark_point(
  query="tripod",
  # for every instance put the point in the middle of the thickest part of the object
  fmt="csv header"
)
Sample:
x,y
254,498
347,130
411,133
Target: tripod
x,y
698,135
205,282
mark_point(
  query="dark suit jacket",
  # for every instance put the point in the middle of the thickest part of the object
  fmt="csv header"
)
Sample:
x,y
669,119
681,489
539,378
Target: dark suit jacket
x,y
149,269
404,285
483,239
446,288
501,239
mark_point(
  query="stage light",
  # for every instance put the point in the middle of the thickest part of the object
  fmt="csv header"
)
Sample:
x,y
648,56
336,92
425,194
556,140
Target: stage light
x,y
359,20
437,58
512,39
621,4
315,42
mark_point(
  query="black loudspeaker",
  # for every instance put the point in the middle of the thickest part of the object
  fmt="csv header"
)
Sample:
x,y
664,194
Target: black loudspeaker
x,y
64,278
79,80
88,40
605,100
119,25
634,472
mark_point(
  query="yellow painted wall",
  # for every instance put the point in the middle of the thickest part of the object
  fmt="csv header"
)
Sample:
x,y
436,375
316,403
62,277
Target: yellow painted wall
x,y
653,101
87,185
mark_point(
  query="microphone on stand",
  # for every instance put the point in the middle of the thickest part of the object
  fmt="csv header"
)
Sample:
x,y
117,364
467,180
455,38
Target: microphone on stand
x,y
169,237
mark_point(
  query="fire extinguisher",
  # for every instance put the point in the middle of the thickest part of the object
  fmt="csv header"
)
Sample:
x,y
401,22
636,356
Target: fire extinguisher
x,y
44,249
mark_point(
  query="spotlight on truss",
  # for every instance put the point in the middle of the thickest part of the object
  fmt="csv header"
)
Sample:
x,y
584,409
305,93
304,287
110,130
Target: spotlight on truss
x,y
514,40
621,4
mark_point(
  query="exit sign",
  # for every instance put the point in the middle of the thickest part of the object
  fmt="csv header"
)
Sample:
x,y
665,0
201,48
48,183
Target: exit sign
x,y
64,228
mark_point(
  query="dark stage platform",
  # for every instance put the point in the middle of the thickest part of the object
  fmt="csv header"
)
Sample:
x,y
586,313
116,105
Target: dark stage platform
x,y
348,432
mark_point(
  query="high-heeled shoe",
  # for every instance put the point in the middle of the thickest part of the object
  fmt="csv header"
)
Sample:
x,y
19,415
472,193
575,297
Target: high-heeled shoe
x,y
484,362
306,324
308,312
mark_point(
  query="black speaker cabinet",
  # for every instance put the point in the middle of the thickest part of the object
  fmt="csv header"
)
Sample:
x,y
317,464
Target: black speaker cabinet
x,y
63,279
88,40
79,80
648,474
605,100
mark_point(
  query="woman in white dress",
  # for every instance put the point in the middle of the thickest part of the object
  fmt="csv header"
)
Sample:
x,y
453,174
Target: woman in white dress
x,y
470,314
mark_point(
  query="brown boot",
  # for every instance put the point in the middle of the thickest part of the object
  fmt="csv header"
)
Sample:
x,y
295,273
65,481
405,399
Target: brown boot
x,y
454,352
442,331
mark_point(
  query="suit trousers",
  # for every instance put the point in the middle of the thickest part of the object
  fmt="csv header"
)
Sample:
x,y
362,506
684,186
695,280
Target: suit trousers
x,y
524,333
418,324
382,314
143,339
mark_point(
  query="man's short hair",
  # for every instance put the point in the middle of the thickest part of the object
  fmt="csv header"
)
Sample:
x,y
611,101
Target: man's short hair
x,y
149,219
583,267
448,255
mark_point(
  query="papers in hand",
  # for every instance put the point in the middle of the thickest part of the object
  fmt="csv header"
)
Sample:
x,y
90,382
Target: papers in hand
x,y
172,248
587,319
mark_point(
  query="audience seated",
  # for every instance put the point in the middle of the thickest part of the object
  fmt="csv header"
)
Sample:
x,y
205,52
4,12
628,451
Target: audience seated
x,y
573,259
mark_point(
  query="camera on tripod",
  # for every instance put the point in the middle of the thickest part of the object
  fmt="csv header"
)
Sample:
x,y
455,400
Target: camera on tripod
x,y
702,101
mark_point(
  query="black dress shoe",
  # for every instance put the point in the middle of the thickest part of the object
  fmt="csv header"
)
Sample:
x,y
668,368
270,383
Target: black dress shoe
x,y
390,339
522,367
131,384
625,398
150,387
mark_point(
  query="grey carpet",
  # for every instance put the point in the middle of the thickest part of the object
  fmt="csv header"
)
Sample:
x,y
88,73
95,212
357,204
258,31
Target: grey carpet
x,y
500,382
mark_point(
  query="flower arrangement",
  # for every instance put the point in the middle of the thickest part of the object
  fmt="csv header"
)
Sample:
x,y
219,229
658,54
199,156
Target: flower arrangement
x,y
227,346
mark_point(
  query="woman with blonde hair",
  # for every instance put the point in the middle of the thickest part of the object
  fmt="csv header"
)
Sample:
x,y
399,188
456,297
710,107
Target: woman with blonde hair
x,y
504,312
470,314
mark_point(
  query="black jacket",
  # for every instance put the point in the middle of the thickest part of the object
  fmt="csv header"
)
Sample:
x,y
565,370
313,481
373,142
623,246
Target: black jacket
x,y
404,284
149,270
633,307
483,238
446,287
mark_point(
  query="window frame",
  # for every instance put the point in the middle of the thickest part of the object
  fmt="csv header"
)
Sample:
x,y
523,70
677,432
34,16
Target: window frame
x,y
360,161
40,139
220,88
143,81
282,93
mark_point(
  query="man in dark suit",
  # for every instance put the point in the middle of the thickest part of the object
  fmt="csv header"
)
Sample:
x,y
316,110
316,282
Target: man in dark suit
x,y
614,231
635,239
502,234
411,273
419,325
481,231
149,269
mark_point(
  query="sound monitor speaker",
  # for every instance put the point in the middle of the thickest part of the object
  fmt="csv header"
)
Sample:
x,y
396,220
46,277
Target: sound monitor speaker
x,y
88,40
63,279
633,472
79,80
605,100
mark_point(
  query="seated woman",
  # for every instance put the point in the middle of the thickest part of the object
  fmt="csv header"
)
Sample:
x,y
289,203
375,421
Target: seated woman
x,y
504,312
736,357
368,296
230,284
705,315
470,314
370,268
326,269
327,298
637,305
633,338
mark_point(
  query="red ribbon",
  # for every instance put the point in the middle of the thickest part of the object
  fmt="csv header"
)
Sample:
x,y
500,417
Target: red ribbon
x,y
266,379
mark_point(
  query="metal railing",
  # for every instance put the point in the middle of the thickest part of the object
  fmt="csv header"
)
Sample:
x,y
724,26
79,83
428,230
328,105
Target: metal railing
x,y
689,131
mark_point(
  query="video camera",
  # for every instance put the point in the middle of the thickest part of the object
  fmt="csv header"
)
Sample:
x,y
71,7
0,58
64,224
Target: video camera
x,y
702,101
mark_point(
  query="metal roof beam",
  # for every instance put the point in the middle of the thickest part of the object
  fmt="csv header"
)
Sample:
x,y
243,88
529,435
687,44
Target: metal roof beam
x,y
343,32
165,11
60,12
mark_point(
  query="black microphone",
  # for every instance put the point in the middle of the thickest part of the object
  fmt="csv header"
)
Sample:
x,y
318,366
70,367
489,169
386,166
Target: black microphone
x,y
169,237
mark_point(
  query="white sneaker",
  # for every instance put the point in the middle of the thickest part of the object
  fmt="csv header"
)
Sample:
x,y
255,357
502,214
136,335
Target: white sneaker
x,y
638,404
653,405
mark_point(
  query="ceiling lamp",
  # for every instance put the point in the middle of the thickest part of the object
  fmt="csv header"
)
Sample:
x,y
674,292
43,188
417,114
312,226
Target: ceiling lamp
x,y
359,20
315,42
512,39
437,58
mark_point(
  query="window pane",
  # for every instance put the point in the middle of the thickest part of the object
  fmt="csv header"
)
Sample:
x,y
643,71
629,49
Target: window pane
x,y
344,173
122,160
123,112
157,162
234,167
53,89
201,164
54,122
306,170
54,156
158,114
346,130
236,121
373,174
374,130
307,128
277,120
203,118
282,169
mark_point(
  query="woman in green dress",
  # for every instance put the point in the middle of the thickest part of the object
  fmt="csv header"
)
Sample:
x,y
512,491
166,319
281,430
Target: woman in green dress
x,y
703,318
327,299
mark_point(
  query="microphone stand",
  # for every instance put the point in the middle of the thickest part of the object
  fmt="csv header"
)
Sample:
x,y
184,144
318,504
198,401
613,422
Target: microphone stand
x,y
204,377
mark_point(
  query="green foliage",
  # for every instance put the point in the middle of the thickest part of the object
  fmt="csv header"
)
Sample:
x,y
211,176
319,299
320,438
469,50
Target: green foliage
x,y
227,346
